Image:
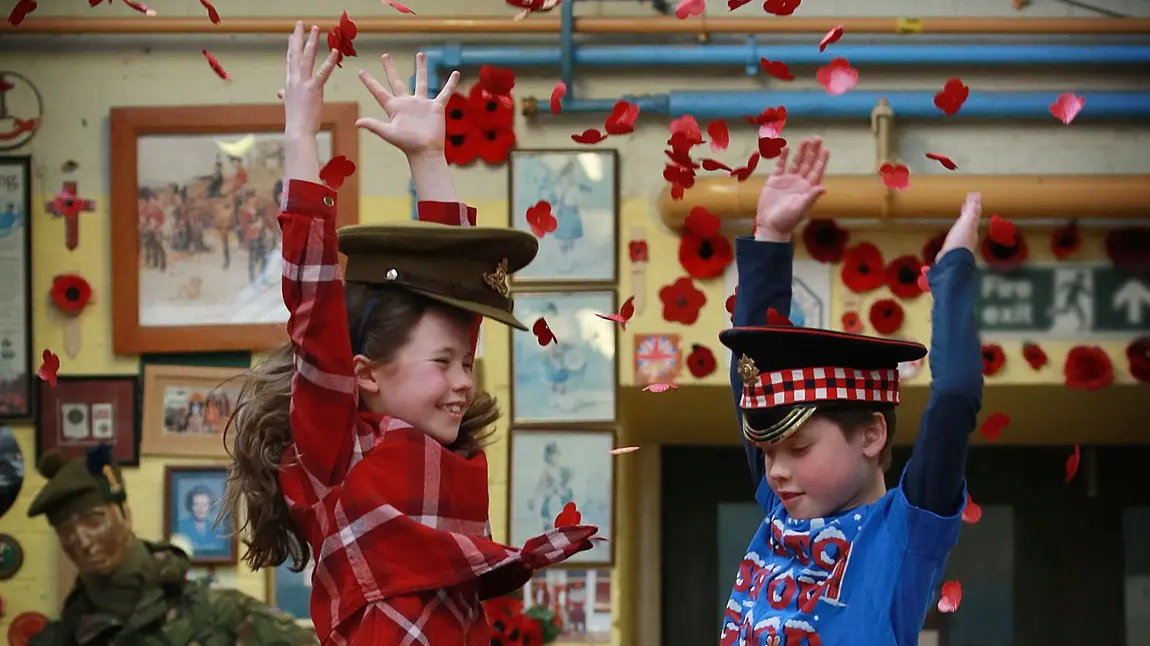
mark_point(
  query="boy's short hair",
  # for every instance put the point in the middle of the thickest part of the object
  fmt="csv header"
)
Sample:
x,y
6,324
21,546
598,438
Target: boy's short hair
x,y
852,419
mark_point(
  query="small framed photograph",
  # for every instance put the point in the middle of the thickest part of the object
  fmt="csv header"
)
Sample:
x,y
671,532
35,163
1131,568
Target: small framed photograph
x,y
291,591
192,496
581,599
580,229
572,377
186,409
550,468
82,411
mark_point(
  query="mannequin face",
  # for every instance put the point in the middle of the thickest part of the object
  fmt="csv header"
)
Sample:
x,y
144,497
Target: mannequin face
x,y
97,539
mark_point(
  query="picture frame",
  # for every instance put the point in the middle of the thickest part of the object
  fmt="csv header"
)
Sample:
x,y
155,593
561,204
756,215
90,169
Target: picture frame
x,y
179,219
81,411
581,600
192,495
291,591
17,379
186,409
552,467
582,187
574,380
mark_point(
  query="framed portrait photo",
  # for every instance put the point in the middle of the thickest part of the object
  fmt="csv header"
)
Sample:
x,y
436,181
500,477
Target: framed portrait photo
x,y
196,248
186,409
550,468
192,496
291,591
580,229
83,411
17,381
572,378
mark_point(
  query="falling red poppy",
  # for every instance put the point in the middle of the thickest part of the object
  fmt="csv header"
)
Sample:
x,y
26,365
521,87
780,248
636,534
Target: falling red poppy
x,y
825,240
931,249
457,115
637,249
701,361
495,145
951,597
1034,355
682,301
71,293
1129,248
852,323
886,316
902,277
775,318
704,252
1138,353
863,268
971,513
1065,241
1088,368
1072,463
993,359
992,426
1003,257
569,517
498,80
730,304
462,149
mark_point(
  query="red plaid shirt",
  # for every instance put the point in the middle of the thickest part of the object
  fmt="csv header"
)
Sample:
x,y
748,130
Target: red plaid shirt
x,y
397,523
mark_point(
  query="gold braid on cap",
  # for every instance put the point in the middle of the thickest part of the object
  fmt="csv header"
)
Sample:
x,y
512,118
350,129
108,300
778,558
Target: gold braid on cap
x,y
781,429
497,279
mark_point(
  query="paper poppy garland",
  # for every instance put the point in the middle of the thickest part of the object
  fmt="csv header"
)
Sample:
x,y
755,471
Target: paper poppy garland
x,y
71,294
480,124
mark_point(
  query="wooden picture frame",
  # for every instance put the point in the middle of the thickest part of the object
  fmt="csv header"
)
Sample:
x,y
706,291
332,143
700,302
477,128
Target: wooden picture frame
x,y
168,236
590,480
17,379
185,488
82,411
186,409
582,187
572,382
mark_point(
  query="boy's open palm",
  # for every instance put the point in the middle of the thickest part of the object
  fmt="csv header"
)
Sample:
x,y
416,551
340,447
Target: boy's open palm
x,y
788,194
963,233
303,90
415,121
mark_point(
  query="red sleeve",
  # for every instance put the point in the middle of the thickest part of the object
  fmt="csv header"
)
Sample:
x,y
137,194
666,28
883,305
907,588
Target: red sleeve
x,y
323,405
451,213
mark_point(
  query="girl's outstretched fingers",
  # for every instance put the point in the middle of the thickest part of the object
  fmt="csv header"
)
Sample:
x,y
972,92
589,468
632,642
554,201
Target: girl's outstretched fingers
x,y
448,89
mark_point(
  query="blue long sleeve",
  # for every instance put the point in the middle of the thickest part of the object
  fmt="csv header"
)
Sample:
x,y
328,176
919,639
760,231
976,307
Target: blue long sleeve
x,y
765,271
933,479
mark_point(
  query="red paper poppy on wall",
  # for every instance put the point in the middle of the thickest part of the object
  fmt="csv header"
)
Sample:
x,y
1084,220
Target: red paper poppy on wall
x,y
457,116
490,111
704,252
1034,355
1138,353
1129,248
730,304
886,316
931,248
495,145
1065,240
902,277
852,323
71,293
462,149
480,125
825,241
1088,368
701,361
992,359
1003,257
637,250
682,301
863,268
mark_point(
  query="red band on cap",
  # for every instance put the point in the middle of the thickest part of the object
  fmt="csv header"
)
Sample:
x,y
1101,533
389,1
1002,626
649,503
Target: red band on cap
x,y
813,385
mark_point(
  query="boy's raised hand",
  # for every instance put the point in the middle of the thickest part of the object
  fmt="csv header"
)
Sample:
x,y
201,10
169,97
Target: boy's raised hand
x,y
788,194
963,233
303,90
415,122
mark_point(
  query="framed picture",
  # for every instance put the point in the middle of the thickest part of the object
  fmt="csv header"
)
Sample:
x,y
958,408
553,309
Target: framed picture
x,y
582,230
192,498
572,378
186,409
291,591
580,598
16,377
196,256
83,411
550,468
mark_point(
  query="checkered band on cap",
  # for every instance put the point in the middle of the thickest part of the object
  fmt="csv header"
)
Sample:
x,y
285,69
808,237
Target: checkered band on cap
x,y
812,385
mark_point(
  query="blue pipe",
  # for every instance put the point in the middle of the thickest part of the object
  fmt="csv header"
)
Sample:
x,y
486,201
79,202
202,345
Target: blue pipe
x,y
906,105
567,47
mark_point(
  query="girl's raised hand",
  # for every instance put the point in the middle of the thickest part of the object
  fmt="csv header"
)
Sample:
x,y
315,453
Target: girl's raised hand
x,y
415,122
789,193
303,89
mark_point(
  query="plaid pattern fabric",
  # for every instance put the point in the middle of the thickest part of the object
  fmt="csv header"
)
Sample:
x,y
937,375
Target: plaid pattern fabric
x,y
450,213
397,524
812,385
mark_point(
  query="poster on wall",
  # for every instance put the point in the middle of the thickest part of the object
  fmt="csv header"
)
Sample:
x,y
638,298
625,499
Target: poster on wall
x,y
580,598
16,378
810,293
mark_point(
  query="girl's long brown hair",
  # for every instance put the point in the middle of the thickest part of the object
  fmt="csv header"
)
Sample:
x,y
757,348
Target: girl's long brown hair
x,y
262,433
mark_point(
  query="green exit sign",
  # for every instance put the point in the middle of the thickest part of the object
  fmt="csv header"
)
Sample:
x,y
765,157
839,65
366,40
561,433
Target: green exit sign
x,y
1062,300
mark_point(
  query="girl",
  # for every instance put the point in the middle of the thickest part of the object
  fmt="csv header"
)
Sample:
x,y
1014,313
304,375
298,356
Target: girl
x,y
358,443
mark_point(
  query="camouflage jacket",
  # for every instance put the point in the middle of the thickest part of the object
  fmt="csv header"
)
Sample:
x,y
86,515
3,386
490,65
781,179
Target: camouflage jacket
x,y
173,611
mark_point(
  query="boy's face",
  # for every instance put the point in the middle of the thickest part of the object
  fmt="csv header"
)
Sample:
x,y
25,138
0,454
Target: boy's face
x,y
821,470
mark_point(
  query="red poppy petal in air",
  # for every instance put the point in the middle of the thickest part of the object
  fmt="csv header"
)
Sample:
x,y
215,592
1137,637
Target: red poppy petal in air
x,y
1067,106
951,597
557,95
720,136
832,37
216,66
777,69
588,136
944,160
1072,463
213,15
49,367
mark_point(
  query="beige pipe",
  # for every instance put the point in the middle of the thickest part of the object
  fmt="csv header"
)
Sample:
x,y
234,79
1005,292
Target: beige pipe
x,y
551,25
933,196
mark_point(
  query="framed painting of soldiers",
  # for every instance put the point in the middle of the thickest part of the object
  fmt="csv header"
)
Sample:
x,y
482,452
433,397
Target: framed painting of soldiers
x,y
186,409
192,498
17,381
196,255
82,411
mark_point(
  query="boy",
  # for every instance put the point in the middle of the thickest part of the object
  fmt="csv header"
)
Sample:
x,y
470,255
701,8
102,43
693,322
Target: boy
x,y
839,559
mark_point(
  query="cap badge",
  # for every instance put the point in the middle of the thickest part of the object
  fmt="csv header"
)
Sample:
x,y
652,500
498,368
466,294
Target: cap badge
x,y
114,485
497,279
747,370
